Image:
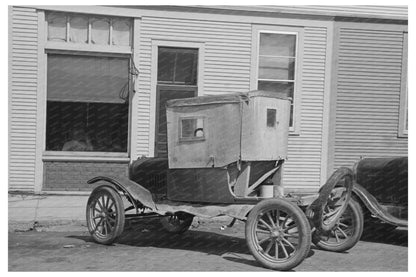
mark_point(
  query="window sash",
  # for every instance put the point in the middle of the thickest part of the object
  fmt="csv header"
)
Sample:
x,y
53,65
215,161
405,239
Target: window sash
x,y
116,37
294,80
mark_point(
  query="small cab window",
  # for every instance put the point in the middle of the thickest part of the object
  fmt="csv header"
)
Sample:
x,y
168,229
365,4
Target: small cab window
x,y
192,129
271,117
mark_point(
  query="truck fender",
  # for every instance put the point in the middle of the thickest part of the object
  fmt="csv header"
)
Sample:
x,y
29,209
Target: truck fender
x,y
375,208
131,188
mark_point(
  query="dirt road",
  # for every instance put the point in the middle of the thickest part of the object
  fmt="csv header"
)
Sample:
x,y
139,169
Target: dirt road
x,y
146,247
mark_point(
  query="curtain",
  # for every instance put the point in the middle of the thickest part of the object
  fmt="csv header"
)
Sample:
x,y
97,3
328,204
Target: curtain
x,y
78,31
121,32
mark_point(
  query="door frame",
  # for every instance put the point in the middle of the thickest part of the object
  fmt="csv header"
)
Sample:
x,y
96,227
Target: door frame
x,y
200,45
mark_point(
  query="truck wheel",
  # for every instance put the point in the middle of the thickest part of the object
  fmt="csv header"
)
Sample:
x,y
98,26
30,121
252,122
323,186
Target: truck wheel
x,y
177,223
278,234
333,199
105,214
346,233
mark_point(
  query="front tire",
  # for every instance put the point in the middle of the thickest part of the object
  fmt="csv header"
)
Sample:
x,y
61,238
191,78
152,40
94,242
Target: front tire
x,y
278,234
105,214
346,233
333,199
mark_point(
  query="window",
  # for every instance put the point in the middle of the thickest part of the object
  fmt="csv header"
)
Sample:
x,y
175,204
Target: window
x,y
176,78
277,59
177,66
271,117
403,116
191,129
88,29
87,103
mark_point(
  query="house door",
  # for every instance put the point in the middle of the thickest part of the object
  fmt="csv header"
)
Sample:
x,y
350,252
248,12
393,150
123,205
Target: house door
x,y
176,78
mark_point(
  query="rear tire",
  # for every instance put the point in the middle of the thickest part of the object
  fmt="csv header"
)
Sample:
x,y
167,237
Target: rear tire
x,y
177,223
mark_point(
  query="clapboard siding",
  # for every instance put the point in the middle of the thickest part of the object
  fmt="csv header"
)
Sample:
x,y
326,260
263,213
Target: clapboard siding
x,y
22,109
227,70
368,95
303,168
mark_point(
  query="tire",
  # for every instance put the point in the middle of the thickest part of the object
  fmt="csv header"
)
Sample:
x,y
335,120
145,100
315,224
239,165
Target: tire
x,y
280,246
346,233
177,223
105,214
333,199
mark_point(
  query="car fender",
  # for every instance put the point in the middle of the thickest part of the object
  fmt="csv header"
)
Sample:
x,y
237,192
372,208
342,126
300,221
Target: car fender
x,y
134,190
375,208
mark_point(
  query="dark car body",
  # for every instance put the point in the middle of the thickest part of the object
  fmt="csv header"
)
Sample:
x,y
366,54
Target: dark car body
x,y
381,184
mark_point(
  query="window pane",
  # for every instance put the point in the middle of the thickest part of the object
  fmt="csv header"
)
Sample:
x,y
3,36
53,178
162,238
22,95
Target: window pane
x,y
78,29
276,68
278,45
192,128
186,68
283,89
73,126
271,117
177,65
56,27
166,65
100,31
87,79
121,32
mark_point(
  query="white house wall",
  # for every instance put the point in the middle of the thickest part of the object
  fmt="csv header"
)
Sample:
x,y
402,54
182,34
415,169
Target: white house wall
x,y
368,95
303,169
23,54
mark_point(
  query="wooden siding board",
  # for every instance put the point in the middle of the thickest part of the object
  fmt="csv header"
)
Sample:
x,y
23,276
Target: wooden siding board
x,y
22,136
368,91
303,167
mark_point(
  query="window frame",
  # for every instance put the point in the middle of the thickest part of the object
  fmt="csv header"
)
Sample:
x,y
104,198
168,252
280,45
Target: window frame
x,y
255,57
154,86
89,46
403,108
53,155
191,139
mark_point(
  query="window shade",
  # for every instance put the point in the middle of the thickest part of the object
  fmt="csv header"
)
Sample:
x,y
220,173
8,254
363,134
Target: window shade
x,y
56,27
121,32
100,31
78,31
86,79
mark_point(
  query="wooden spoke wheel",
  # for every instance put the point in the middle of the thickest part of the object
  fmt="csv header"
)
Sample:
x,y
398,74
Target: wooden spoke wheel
x,y
177,223
333,199
105,214
346,232
278,234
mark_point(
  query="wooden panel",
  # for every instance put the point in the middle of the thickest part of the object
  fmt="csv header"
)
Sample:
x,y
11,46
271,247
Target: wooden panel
x,y
368,95
23,97
302,170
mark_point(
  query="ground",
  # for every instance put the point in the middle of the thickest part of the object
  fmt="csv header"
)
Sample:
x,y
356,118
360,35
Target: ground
x,y
146,247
